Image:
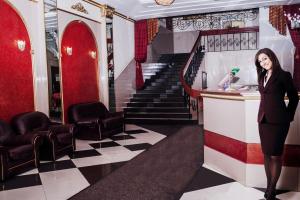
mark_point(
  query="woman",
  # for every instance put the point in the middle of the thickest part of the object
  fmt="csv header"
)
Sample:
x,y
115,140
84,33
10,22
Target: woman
x,y
274,116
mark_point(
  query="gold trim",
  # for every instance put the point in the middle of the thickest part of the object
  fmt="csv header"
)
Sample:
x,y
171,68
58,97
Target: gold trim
x,y
235,97
231,97
35,152
35,1
79,7
109,11
124,17
21,164
106,9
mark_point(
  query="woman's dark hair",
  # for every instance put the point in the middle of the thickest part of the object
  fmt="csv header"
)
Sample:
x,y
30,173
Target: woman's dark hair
x,y
275,63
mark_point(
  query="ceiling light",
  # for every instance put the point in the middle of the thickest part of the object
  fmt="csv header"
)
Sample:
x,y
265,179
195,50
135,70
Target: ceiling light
x,y
164,2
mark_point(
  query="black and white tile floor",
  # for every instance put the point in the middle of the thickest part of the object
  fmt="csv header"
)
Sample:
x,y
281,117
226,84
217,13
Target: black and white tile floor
x,y
93,160
210,185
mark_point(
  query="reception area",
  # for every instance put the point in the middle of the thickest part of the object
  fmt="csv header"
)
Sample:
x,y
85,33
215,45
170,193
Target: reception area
x,y
141,99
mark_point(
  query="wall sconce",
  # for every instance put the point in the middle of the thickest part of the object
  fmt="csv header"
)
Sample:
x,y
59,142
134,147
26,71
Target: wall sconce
x,y
69,51
93,54
21,45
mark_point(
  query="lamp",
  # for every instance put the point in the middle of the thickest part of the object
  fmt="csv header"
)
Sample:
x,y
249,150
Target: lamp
x,y
164,2
93,54
69,50
21,45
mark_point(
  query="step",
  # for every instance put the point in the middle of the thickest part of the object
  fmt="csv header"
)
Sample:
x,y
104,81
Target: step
x,y
160,121
156,109
157,115
157,99
156,95
155,104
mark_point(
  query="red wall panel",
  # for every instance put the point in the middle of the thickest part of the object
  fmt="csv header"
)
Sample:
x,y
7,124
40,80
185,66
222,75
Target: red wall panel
x,y
79,70
16,80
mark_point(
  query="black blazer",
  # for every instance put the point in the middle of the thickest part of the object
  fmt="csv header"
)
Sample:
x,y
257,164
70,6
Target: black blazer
x,y
272,105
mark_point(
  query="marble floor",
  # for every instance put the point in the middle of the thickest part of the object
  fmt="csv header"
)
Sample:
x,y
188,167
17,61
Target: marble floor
x,y
210,185
94,160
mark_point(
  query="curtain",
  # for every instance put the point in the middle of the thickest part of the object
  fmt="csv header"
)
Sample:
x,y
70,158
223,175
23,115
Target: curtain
x,y
276,18
152,29
295,35
141,41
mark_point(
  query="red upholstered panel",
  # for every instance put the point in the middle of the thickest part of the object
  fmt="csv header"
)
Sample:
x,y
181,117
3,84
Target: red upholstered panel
x,y
79,70
16,82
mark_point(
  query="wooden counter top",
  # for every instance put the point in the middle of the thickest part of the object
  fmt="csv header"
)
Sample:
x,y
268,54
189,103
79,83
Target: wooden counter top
x,y
232,95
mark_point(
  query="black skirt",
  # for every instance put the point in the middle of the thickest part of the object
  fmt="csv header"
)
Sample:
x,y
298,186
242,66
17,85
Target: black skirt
x,y
272,137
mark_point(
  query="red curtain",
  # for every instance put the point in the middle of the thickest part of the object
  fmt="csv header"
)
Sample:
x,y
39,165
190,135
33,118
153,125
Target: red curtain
x,y
141,41
295,35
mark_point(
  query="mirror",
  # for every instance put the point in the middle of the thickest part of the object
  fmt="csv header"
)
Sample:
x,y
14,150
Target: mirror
x,y
110,62
51,28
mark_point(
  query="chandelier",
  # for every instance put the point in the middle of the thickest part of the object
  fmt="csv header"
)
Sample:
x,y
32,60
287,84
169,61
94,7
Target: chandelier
x,y
164,2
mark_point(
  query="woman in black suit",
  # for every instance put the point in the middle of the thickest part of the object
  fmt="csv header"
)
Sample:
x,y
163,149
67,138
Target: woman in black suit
x,y
274,116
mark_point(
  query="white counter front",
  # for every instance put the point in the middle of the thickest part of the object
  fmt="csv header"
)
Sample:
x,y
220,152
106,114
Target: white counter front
x,y
232,143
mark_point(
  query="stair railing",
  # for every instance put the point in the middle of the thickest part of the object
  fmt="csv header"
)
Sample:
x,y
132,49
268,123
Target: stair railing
x,y
192,65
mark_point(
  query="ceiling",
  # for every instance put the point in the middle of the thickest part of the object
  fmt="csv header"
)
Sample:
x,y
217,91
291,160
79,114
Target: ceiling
x,y
144,9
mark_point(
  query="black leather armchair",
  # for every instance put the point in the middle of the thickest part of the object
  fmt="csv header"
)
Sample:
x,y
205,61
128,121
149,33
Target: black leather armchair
x,y
93,121
58,138
18,153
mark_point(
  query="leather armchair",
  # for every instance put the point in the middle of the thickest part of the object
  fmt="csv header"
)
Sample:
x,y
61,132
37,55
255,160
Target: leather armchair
x,y
58,139
18,153
93,121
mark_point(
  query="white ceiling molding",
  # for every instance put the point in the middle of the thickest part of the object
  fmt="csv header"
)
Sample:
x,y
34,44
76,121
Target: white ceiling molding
x,y
144,9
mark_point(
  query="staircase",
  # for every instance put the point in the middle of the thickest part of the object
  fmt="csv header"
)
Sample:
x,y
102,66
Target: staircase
x,y
161,101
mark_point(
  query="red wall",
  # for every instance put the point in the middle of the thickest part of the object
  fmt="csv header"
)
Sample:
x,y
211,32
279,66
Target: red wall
x,y
16,80
79,71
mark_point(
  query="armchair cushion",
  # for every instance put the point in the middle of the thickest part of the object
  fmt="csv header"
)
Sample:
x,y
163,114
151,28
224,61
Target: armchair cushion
x,y
112,122
23,140
21,152
64,138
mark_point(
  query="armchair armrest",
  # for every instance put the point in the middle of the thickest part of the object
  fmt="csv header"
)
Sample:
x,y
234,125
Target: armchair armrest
x,y
3,150
115,114
86,122
57,129
61,128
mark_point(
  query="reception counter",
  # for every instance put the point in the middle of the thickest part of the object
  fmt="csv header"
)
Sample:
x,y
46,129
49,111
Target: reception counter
x,y
232,143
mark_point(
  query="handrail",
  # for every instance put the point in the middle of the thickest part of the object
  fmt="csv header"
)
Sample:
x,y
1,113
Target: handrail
x,y
188,89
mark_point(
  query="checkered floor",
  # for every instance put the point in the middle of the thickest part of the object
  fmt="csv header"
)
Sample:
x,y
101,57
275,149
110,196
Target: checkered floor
x,y
93,160
210,185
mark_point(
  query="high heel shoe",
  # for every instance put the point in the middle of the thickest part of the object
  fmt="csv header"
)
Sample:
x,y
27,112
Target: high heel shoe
x,y
266,195
270,195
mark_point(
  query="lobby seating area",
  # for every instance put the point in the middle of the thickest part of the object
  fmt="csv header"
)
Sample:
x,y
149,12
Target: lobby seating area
x,y
93,121
58,139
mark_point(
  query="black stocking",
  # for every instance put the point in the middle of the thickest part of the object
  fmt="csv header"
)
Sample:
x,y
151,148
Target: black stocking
x,y
273,165
267,160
